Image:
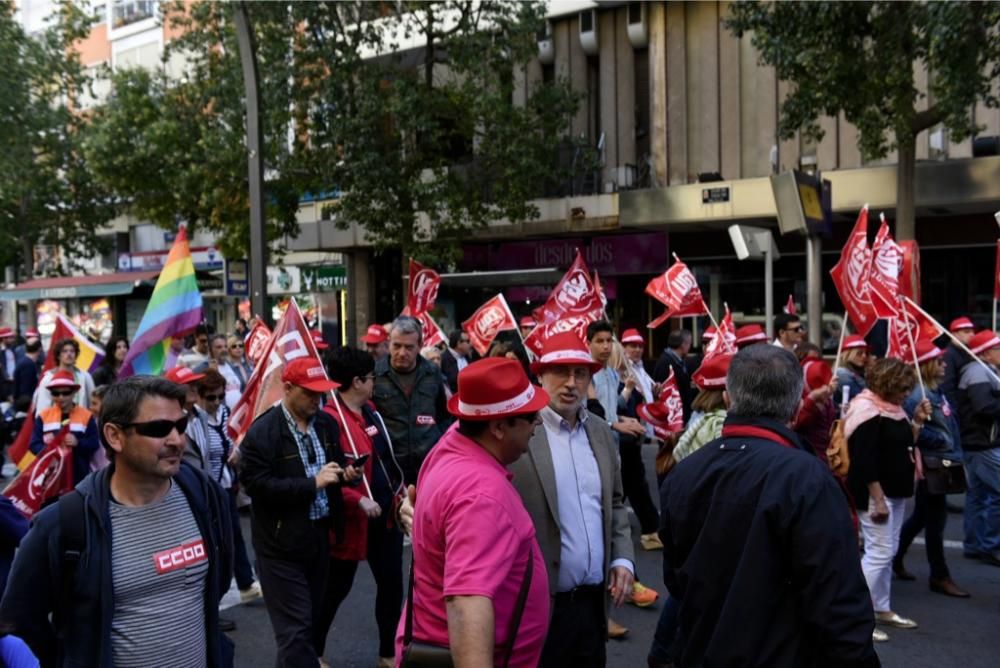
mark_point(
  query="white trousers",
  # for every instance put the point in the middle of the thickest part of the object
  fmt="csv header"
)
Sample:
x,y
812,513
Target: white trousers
x,y
881,543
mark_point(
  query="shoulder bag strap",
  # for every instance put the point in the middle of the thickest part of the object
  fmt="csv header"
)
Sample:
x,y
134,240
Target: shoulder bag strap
x,y
72,543
522,599
408,627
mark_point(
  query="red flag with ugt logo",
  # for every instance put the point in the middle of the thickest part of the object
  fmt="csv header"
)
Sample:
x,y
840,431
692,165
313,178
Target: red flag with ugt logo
x,y
290,340
666,414
574,295
724,342
489,320
887,263
678,290
423,289
433,334
256,341
850,276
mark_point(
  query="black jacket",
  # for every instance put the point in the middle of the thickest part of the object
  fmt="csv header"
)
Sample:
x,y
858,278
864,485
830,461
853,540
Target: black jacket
x,y
274,476
671,360
35,584
416,420
760,551
955,359
978,408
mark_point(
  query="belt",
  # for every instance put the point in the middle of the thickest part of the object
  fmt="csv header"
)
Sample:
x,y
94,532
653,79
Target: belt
x,y
581,593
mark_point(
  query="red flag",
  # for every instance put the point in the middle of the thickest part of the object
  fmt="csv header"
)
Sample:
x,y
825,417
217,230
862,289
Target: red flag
x,y
536,339
666,414
489,320
433,334
850,276
887,262
48,476
724,341
290,340
656,322
600,291
996,274
256,341
790,306
909,277
18,451
678,290
922,327
574,295
423,289
899,340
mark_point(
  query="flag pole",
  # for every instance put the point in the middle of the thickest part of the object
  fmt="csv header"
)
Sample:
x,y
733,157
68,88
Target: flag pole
x,y
350,440
955,339
913,350
712,318
840,344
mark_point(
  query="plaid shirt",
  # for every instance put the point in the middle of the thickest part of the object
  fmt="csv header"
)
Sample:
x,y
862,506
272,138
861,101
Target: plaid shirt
x,y
307,442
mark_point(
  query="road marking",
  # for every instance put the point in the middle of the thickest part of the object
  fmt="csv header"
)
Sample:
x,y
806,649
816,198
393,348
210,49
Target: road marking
x,y
952,544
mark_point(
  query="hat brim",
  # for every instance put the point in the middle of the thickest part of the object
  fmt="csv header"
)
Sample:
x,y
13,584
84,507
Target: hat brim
x,y
372,340
646,416
537,403
540,367
75,388
318,385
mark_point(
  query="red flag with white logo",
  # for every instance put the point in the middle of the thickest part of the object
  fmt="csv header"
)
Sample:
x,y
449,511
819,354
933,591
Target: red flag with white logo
x,y
535,341
850,276
489,320
678,290
922,327
433,334
291,339
666,414
909,275
724,341
256,341
790,306
887,263
574,295
48,476
899,340
423,288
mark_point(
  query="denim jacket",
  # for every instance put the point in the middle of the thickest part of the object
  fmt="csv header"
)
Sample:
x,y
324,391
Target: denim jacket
x,y
940,434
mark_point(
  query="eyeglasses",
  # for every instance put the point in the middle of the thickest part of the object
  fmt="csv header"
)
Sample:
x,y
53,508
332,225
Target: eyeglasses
x,y
798,328
62,393
564,372
213,397
236,345
157,428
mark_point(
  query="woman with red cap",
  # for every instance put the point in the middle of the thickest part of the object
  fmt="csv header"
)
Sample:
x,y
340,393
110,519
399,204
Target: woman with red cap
x,y
851,368
937,441
706,424
67,424
818,410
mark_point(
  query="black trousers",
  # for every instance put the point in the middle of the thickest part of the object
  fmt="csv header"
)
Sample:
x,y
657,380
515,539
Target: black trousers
x,y
634,484
930,514
293,593
578,630
385,559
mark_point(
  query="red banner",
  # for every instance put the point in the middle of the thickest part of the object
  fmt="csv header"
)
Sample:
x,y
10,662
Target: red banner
x,y
433,334
574,295
678,290
909,277
790,306
489,320
256,342
899,340
48,476
724,342
290,340
850,276
536,339
887,262
423,288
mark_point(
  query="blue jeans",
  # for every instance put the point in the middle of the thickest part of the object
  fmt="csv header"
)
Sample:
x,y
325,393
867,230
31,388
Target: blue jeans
x,y
242,569
982,502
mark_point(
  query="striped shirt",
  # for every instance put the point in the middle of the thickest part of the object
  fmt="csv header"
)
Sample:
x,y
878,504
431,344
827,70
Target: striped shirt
x,y
159,570
313,459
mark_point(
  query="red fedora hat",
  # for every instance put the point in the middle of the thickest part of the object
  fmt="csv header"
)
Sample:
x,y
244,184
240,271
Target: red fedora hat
x,y
565,349
494,388
854,341
632,336
748,334
711,375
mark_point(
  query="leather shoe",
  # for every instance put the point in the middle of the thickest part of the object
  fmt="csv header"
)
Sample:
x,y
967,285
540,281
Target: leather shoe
x,y
226,624
615,630
985,557
947,587
892,619
900,571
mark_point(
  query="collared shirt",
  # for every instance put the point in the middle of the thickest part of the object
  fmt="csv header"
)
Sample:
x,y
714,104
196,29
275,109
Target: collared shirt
x,y
461,360
307,442
606,383
578,494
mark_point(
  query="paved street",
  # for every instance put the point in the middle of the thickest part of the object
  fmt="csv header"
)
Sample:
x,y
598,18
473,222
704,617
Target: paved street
x,y
952,632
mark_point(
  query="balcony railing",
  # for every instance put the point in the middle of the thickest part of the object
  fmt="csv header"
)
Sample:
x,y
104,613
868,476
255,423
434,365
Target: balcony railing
x,y
127,12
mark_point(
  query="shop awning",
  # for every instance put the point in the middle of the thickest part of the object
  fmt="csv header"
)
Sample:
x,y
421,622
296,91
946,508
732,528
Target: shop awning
x,y
71,287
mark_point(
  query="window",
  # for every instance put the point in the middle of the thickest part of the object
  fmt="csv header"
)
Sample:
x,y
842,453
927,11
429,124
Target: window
x,y
99,10
641,102
127,12
634,13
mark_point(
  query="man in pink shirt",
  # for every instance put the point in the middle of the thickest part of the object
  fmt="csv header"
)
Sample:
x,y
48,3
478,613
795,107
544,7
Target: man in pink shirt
x,y
476,560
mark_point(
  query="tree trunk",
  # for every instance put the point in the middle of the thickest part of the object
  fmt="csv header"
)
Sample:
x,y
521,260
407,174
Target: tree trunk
x,y
28,262
906,175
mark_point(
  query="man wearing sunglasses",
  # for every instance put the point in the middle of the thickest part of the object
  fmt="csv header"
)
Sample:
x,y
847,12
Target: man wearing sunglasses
x,y
292,468
66,424
788,331
154,555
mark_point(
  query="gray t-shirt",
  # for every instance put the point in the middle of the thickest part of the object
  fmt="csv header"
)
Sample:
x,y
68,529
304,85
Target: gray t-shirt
x,y
159,569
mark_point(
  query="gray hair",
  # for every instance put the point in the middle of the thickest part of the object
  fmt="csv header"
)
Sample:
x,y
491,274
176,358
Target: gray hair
x,y
765,382
408,325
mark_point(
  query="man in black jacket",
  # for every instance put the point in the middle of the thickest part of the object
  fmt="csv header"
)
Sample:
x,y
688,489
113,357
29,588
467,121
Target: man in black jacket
x,y
678,346
155,549
292,470
759,551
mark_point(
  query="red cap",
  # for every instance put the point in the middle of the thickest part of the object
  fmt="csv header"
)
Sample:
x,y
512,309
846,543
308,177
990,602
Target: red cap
x,y
748,334
632,336
959,324
493,388
854,341
307,372
183,375
318,340
527,321
983,341
926,351
376,334
6,332
816,372
709,333
567,349
61,379
711,375
32,334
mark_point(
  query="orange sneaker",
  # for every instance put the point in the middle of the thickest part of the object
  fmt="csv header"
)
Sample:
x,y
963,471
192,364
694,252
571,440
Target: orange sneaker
x,y
642,596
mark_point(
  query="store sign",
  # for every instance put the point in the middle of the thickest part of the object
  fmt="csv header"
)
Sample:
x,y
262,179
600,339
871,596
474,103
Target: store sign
x,y
205,259
323,279
714,195
210,284
611,255
237,278
284,280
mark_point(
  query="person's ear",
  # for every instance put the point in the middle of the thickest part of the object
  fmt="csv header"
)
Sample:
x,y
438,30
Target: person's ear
x,y
114,435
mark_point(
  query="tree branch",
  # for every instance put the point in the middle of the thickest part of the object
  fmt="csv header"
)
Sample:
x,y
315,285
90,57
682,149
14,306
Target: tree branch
x,y
927,118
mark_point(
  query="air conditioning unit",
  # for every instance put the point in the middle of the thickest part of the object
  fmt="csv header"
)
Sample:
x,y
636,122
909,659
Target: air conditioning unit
x,y
546,46
588,32
638,25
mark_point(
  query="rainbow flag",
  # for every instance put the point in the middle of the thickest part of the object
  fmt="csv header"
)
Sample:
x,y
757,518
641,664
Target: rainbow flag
x,y
173,311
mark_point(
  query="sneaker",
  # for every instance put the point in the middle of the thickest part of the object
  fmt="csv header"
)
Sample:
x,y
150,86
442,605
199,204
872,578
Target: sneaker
x,y
642,596
879,636
650,541
251,593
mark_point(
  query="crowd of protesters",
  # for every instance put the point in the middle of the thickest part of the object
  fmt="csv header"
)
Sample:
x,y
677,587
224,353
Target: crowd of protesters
x,y
524,566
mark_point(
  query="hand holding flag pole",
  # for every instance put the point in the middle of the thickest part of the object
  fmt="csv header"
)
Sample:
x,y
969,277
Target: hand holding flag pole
x,y
913,348
840,344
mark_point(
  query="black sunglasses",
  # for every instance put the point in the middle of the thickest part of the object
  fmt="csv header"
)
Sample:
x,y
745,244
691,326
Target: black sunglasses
x,y
212,397
236,345
157,428
62,393
795,329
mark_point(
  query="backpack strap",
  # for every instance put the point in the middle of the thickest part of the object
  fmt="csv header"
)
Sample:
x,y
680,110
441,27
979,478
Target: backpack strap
x,y
72,544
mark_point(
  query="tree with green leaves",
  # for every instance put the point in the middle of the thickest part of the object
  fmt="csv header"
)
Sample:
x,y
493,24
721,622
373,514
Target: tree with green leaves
x,y
47,193
859,58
